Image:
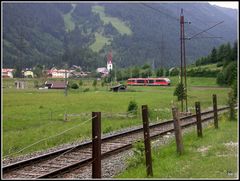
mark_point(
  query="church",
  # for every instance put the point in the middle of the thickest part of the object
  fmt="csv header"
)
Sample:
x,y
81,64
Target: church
x,y
109,61
103,70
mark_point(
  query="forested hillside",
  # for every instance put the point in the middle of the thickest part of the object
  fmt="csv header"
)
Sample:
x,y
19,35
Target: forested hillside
x,y
82,33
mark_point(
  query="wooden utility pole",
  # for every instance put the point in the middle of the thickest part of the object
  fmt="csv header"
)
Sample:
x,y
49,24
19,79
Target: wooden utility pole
x,y
181,51
65,82
96,144
183,58
147,142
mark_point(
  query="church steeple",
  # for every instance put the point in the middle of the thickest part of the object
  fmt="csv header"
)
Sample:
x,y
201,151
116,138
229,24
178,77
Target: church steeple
x,y
109,61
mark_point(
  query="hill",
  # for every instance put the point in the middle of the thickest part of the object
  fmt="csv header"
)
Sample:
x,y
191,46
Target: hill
x,y
82,33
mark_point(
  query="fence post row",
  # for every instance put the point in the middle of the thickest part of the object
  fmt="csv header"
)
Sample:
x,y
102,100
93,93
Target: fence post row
x,y
198,118
147,140
215,111
96,145
177,130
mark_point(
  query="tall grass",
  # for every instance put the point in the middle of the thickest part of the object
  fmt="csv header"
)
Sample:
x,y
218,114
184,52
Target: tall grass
x,y
31,114
213,156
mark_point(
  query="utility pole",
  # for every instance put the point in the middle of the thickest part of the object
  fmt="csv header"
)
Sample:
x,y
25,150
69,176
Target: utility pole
x,y
162,51
115,72
183,54
183,57
181,47
184,62
65,92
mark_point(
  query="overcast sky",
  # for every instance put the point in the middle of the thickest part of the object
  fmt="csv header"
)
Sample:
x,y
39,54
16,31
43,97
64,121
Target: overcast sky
x,y
226,4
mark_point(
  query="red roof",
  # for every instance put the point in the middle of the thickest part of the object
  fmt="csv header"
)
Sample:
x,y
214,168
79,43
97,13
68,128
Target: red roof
x,y
7,70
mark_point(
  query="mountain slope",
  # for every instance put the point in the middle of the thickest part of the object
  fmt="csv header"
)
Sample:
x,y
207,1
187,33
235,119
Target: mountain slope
x,y
83,33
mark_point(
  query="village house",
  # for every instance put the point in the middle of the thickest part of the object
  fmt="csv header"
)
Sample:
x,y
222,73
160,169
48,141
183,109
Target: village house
x,y
103,71
61,73
28,73
7,73
76,74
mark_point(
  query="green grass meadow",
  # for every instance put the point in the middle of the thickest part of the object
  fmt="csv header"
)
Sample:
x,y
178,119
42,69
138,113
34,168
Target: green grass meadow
x,y
30,115
100,41
117,23
214,155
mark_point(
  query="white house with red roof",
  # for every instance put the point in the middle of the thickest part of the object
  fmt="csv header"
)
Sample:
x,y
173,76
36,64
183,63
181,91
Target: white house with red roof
x,y
7,73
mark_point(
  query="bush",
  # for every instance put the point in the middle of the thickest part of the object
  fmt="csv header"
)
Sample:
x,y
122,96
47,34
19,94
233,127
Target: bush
x,y
219,64
74,86
103,84
94,84
86,90
80,83
35,83
138,154
234,89
220,79
180,92
132,106
230,73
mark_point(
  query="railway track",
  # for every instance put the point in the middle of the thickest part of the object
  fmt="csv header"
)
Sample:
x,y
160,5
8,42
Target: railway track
x,y
62,161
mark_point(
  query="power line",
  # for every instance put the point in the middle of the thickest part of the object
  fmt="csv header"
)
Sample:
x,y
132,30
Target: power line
x,y
205,30
157,10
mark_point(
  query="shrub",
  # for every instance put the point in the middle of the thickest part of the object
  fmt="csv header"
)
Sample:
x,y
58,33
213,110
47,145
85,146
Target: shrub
x,y
80,83
180,92
94,84
86,90
132,106
103,84
220,79
35,83
138,154
234,89
74,86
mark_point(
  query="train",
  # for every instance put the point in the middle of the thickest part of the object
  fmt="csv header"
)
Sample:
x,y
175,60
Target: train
x,y
149,81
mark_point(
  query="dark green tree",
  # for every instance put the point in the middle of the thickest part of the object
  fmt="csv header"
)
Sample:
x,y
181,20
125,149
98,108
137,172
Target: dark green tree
x,y
38,70
159,72
214,55
180,92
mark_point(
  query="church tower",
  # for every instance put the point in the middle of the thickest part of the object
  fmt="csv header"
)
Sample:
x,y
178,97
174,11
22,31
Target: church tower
x,y
109,61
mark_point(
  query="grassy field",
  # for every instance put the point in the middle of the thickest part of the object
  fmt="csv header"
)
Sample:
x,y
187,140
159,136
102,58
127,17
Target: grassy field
x,y
117,23
100,41
208,66
31,115
213,156
69,23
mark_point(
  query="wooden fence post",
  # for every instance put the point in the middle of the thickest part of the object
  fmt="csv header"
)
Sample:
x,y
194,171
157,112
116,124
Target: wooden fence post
x,y
177,130
96,145
231,103
198,118
215,111
147,140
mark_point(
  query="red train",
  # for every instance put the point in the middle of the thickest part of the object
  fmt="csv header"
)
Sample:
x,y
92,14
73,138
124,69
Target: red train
x,y
149,81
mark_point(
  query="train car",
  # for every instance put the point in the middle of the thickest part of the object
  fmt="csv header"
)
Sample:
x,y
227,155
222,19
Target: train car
x,y
149,81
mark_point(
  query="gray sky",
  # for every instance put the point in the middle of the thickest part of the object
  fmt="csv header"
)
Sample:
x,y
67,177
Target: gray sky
x,y
226,4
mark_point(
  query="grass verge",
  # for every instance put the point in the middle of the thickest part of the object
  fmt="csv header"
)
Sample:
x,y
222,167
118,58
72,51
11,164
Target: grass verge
x,y
213,156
